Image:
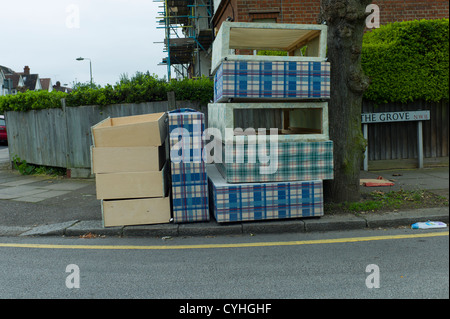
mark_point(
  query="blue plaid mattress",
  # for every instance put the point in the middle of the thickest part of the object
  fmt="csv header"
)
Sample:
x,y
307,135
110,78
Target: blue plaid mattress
x,y
189,179
272,80
260,201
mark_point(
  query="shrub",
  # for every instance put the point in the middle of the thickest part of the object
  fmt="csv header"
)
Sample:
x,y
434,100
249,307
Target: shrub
x,y
31,100
407,61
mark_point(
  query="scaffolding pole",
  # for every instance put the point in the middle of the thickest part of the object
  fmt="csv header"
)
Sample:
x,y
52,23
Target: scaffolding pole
x,y
187,33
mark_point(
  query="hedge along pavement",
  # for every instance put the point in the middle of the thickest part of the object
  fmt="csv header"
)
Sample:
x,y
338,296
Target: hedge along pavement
x,y
407,61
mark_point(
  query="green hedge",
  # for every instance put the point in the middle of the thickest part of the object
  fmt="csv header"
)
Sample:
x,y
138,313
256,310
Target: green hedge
x,y
407,61
142,87
31,100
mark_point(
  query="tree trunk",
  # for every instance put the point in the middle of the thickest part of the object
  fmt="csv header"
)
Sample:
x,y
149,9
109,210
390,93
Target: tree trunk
x,y
346,23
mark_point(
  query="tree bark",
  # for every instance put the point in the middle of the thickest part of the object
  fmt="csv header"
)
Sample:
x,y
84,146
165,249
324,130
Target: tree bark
x,y
346,23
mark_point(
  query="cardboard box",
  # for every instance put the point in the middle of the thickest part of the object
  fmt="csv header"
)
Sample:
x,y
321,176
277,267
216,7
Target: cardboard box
x,y
136,211
261,201
129,131
128,159
132,184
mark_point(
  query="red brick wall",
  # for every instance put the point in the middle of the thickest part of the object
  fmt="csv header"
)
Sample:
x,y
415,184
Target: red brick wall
x,y
307,11
285,11
397,10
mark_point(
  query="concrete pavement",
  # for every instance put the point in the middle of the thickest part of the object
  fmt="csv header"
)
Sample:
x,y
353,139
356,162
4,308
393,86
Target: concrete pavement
x,y
44,206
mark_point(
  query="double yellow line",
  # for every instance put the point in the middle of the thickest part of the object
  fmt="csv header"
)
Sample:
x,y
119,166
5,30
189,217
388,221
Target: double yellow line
x,y
237,245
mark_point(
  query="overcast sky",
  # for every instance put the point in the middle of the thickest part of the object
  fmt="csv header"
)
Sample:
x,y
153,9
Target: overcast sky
x,y
48,35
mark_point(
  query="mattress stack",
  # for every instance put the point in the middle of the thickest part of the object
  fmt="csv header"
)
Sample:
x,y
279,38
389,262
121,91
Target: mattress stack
x,y
271,116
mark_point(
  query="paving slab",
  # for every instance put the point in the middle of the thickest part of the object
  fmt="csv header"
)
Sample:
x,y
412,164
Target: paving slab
x,y
13,230
50,229
65,186
19,182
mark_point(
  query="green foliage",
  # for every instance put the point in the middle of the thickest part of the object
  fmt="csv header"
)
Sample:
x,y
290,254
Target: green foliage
x,y
379,201
31,100
24,168
142,87
407,61
272,52
201,89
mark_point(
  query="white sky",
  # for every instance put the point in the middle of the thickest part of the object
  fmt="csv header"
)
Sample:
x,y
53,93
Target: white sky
x,y
48,35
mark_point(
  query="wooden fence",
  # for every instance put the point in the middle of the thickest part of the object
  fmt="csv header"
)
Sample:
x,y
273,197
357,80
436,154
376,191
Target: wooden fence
x,y
62,137
398,140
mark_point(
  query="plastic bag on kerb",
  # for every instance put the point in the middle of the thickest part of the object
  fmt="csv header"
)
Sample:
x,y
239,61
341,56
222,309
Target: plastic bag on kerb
x,y
428,225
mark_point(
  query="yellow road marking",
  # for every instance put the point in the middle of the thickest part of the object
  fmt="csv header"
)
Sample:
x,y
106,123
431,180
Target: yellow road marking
x,y
238,245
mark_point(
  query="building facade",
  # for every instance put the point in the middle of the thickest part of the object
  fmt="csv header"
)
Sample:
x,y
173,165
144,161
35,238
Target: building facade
x,y
307,11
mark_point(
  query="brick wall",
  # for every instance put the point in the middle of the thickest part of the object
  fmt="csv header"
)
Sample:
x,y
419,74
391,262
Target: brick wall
x,y
397,10
307,11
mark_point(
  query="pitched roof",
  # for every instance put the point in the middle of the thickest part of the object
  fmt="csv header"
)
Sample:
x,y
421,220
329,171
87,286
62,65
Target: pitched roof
x,y
45,83
15,79
6,70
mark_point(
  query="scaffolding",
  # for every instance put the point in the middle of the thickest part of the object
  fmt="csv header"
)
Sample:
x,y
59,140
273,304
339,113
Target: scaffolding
x,y
188,36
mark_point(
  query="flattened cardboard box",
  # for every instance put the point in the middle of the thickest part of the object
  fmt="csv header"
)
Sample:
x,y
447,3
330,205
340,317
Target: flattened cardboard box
x,y
136,130
141,211
128,159
132,184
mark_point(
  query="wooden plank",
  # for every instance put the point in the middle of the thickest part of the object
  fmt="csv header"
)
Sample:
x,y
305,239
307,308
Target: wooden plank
x,y
433,124
439,120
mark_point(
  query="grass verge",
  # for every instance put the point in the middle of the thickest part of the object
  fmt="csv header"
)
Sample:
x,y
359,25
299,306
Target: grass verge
x,y
379,201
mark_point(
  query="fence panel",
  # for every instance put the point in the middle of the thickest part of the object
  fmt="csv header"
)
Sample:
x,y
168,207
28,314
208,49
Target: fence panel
x,y
62,137
398,140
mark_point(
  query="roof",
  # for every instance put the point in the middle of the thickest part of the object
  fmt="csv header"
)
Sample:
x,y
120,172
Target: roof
x,y
30,80
6,70
15,79
45,83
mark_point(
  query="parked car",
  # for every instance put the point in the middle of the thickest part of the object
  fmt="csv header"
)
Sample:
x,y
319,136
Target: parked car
x,y
3,135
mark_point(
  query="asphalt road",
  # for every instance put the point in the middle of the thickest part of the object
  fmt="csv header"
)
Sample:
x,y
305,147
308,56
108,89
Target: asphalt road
x,y
297,266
